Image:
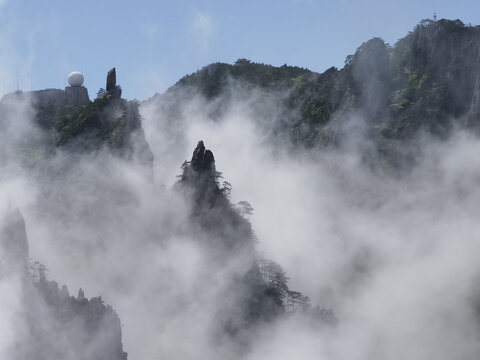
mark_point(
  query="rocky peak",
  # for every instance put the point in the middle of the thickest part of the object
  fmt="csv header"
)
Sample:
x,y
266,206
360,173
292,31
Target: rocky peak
x,y
112,89
111,79
200,176
202,159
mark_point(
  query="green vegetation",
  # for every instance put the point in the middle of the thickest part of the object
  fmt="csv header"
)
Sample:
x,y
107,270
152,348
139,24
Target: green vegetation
x,y
73,121
422,83
104,123
213,80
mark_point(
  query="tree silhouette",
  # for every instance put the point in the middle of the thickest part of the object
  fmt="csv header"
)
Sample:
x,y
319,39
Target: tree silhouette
x,y
296,301
245,208
100,92
226,189
274,277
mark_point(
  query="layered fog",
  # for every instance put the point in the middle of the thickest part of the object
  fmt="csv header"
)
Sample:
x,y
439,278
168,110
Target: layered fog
x,y
391,251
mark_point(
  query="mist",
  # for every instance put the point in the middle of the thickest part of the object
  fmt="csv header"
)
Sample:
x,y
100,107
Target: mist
x,y
392,253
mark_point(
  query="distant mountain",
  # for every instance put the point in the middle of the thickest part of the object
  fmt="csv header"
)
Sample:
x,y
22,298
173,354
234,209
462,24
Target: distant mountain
x,y
427,82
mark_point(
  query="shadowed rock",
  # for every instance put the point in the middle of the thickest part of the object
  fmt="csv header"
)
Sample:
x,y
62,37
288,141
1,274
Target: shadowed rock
x,y
111,80
112,89
202,159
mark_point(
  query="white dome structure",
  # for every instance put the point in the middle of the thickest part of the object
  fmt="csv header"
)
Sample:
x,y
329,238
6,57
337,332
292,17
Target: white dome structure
x,y
75,79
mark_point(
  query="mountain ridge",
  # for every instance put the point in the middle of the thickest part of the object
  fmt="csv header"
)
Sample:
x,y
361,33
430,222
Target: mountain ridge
x,y
422,83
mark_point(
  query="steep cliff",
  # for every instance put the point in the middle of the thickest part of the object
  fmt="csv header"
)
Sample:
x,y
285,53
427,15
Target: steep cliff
x,y
49,323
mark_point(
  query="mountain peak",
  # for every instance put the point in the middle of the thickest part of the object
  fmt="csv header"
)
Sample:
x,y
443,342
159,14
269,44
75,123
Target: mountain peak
x,y
202,158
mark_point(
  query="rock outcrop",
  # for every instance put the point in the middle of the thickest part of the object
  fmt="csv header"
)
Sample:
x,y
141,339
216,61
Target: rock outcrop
x,y
202,159
201,176
112,90
111,79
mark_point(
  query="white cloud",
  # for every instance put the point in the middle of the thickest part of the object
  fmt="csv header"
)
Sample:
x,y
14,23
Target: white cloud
x,y
150,30
202,29
395,257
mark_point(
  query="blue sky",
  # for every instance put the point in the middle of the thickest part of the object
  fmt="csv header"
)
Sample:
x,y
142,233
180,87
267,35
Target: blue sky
x,y
154,43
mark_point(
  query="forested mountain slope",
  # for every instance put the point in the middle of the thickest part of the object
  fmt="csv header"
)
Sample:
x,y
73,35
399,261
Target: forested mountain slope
x,y
426,82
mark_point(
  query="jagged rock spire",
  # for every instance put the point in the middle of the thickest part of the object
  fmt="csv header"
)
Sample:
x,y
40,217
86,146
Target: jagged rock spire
x,y
200,175
112,89
111,80
202,159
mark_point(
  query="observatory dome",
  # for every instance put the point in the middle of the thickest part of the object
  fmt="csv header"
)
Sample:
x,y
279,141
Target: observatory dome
x,y
75,79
